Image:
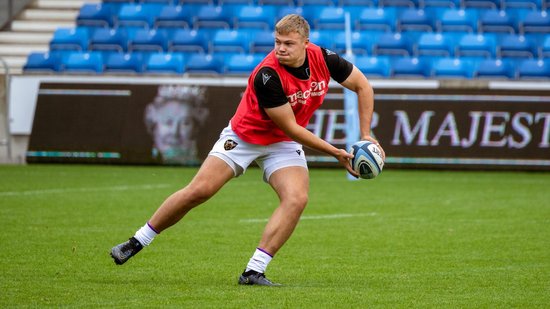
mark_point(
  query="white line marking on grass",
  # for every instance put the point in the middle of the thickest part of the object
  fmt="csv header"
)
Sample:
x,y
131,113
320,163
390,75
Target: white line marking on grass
x,y
92,189
318,217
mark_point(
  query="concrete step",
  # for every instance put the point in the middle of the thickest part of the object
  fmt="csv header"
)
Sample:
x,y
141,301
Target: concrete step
x,y
21,50
62,4
40,26
51,15
24,38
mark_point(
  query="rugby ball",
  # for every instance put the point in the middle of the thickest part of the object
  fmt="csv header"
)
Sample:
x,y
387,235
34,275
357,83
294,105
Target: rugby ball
x,y
367,159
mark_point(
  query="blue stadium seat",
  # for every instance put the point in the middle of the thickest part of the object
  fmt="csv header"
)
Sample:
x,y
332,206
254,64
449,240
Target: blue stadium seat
x,y
410,67
452,68
392,44
165,63
361,42
70,39
210,16
125,63
495,68
276,2
483,4
405,3
353,4
242,2
138,15
323,38
316,2
415,19
96,15
544,49
477,45
114,39
330,17
186,40
372,18
174,16
149,40
531,4
535,21
255,16
83,62
192,2
434,44
42,62
285,10
497,21
442,3
262,42
225,40
241,63
373,66
534,69
205,64
457,20
514,45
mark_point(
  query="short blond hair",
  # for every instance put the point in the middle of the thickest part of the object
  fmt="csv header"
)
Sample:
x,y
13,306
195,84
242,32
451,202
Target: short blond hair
x,y
293,23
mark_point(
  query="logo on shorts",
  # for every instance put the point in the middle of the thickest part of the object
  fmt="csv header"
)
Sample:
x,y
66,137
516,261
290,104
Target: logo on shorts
x,y
229,144
299,152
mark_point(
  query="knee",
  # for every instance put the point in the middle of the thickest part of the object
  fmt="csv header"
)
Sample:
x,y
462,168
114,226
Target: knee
x,y
197,193
298,201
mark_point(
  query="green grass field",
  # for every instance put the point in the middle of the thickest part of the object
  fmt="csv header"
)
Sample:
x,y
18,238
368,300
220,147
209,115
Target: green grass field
x,y
425,239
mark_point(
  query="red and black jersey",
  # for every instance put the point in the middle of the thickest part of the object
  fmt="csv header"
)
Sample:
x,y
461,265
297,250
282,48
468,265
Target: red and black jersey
x,y
305,95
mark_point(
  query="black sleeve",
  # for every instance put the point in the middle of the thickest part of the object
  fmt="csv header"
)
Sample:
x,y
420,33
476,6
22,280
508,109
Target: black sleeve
x,y
338,67
269,89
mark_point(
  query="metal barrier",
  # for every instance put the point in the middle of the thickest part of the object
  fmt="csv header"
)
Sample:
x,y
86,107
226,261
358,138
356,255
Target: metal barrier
x,y
7,141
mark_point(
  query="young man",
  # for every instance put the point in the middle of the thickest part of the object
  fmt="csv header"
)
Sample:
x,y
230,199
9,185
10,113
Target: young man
x,y
269,127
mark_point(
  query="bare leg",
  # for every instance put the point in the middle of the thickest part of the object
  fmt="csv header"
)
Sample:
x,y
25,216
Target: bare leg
x,y
212,175
292,187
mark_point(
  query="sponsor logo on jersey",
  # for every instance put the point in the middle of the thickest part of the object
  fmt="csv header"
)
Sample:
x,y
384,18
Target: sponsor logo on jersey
x,y
317,89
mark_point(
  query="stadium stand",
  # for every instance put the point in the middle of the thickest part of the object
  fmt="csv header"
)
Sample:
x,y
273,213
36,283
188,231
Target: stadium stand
x,y
390,38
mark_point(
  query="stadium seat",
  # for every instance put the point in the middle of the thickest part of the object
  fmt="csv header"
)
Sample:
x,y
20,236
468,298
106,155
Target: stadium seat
x,y
96,15
240,64
42,62
482,4
149,40
544,49
495,68
535,21
405,3
83,62
285,10
165,63
323,38
351,4
373,66
126,63
205,64
225,40
415,19
361,42
476,45
243,2
513,45
187,40
330,18
452,68
255,16
372,18
392,44
316,2
497,21
534,69
276,2
410,67
207,2
262,42
442,3
174,16
434,44
114,39
70,39
531,4
210,16
138,15
457,20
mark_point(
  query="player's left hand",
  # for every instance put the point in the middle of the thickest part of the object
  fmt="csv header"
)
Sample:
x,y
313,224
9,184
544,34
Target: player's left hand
x,y
373,140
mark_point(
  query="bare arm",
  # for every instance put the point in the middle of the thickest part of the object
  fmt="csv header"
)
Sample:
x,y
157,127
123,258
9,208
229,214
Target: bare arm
x,y
283,117
358,83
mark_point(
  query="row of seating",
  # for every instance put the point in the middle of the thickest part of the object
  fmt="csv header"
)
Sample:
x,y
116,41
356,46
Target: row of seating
x,y
363,42
494,4
154,15
235,63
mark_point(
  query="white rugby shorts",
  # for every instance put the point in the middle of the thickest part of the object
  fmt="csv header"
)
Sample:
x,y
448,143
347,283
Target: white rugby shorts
x,y
239,154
